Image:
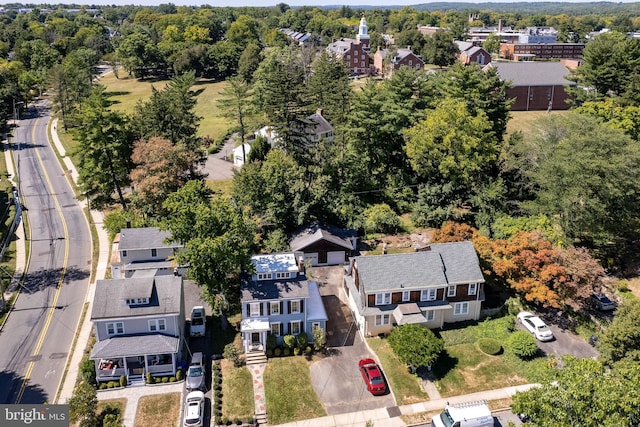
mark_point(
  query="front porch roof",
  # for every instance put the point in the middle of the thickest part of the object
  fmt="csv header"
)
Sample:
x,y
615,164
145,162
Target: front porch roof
x,y
135,345
255,324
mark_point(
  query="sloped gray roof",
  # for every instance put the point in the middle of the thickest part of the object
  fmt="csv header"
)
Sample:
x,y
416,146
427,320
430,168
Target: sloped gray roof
x,y
274,289
339,47
144,238
315,232
165,293
134,345
533,73
321,124
445,264
463,46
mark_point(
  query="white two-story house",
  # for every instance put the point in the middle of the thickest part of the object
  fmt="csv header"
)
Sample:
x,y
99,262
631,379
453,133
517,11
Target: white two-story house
x,y
441,284
139,324
278,299
143,252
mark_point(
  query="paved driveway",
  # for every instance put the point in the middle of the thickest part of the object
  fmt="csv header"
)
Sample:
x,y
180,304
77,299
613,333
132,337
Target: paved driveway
x,y
565,342
336,378
217,167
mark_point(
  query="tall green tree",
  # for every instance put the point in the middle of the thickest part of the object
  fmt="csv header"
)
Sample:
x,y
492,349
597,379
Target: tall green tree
x,y
104,151
249,62
169,113
329,88
237,104
440,50
217,238
585,176
621,339
584,392
415,345
281,95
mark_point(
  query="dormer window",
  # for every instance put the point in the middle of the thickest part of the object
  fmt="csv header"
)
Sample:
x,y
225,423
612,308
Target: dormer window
x,y
137,301
281,275
264,276
154,253
383,298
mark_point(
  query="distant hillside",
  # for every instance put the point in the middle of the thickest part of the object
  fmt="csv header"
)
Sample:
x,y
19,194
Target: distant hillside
x,y
550,8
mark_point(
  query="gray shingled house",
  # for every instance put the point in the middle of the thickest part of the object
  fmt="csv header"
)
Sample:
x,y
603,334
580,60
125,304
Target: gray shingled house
x,y
139,324
143,252
443,283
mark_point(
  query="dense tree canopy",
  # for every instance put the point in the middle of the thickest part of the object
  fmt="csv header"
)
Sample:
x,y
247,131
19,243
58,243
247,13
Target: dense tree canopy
x,y
415,345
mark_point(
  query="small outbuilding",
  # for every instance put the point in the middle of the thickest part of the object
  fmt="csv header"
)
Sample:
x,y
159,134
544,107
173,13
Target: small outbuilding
x,y
324,244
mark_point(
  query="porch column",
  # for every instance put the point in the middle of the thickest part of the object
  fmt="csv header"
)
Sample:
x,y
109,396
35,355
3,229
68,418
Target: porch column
x,y
146,364
173,363
126,368
263,341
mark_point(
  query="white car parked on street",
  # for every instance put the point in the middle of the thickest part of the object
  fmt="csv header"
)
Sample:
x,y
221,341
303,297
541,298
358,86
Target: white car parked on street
x,y
535,325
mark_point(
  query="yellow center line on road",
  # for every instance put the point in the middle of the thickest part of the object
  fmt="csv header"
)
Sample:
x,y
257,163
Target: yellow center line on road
x,y
54,303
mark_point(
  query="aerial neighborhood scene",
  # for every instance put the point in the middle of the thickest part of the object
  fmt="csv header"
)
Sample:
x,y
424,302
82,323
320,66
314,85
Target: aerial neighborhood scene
x,y
320,215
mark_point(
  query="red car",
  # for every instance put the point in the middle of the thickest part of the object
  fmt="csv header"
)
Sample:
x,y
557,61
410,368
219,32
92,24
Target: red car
x,y
372,376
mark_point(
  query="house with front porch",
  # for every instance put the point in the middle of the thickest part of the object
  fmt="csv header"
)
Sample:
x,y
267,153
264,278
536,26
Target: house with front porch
x,y
277,299
138,324
145,251
442,283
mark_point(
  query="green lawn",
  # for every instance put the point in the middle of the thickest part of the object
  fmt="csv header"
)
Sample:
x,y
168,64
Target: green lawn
x,y
523,120
289,393
159,410
237,392
126,92
405,386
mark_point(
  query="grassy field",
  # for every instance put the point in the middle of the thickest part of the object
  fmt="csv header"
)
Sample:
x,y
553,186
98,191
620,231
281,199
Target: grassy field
x,y
524,121
125,93
158,410
405,386
289,393
237,389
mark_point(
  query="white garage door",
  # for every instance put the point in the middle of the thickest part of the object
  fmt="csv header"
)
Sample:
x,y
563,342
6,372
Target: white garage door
x,y
335,258
313,257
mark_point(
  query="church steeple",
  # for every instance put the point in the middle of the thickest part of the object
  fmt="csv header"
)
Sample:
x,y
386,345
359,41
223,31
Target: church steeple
x,y
363,35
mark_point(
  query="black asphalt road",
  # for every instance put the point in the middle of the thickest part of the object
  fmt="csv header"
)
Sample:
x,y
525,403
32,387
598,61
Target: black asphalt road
x,y
36,339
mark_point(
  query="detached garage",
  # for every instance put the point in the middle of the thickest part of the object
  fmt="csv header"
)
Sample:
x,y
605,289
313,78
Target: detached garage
x,y
324,244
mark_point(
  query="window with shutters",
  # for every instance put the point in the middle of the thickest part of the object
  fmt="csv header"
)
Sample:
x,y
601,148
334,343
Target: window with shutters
x,y
275,329
254,309
275,308
115,328
295,306
295,328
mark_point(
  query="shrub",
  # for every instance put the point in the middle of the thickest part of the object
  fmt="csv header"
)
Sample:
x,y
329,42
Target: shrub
x,y
224,421
523,344
277,352
272,341
296,351
319,337
231,353
157,380
103,386
172,379
289,341
269,352
179,375
149,378
489,346
112,384
218,420
308,350
165,379
302,339
237,421
286,351
123,381
88,370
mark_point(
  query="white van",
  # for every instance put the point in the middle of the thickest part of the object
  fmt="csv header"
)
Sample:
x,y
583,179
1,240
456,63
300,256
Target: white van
x,y
198,321
470,414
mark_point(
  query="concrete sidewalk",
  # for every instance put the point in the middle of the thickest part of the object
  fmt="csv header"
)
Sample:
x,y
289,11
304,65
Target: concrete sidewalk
x,y
21,252
382,416
84,329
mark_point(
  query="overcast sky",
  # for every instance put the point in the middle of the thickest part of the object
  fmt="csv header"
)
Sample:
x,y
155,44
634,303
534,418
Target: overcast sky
x,y
269,3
